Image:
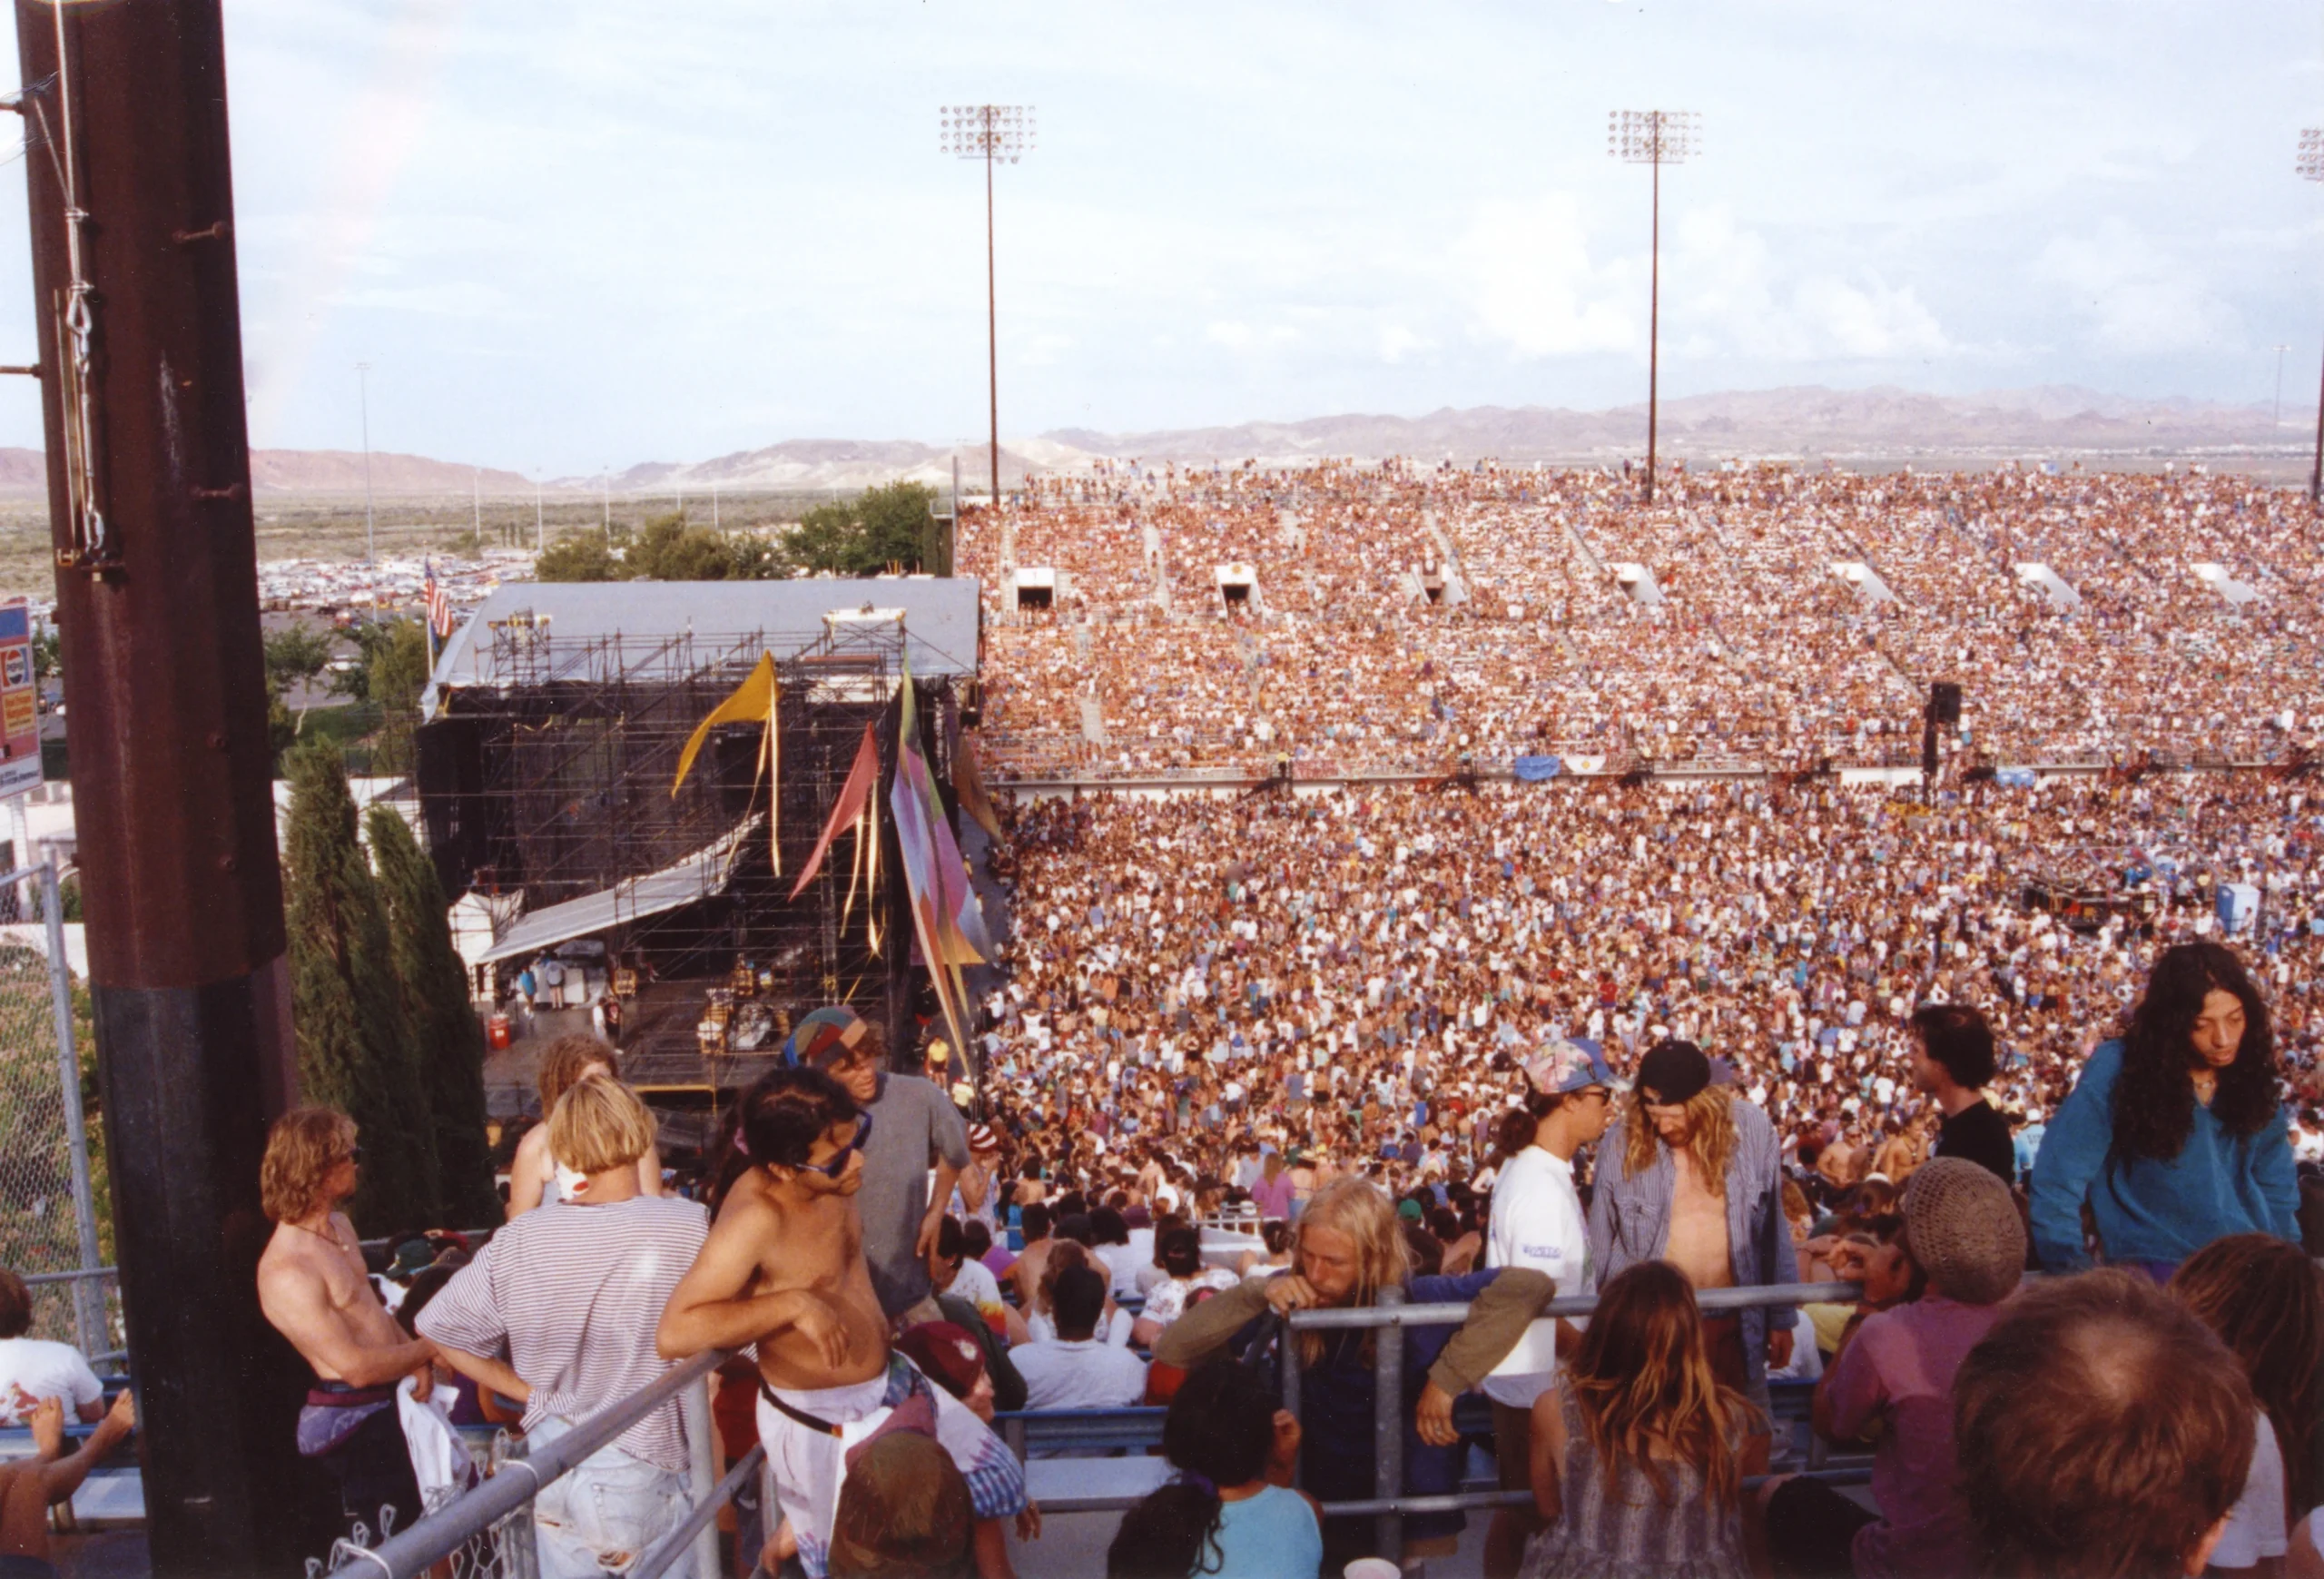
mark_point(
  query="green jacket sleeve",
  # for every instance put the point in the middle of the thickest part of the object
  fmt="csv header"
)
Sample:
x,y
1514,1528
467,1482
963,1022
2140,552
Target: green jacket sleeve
x,y
1203,1331
1498,1318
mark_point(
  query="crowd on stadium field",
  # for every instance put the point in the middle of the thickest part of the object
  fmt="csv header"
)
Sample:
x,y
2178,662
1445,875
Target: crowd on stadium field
x,y
1400,618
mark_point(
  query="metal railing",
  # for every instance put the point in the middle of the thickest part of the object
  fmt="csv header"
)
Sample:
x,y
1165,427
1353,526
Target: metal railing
x,y
517,1482
1389,1505
508,1495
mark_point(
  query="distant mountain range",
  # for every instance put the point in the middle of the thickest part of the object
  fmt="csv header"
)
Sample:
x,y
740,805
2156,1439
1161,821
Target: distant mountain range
x,y
1809,422
317,471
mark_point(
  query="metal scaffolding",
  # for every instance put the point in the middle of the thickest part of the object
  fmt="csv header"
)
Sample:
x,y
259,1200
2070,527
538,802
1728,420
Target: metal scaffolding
x,y
554,782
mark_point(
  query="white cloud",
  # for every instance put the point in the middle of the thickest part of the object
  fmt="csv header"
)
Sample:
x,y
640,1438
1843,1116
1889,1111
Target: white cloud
x,y
2138,300
1397,343
1238,336
1725,293
1532,284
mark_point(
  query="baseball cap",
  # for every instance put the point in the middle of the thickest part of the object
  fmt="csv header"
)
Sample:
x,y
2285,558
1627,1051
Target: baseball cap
x,y
1673,1071
945,1353
823,1036
1569,1066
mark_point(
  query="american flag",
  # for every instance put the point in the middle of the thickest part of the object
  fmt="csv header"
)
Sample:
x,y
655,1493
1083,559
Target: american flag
x,y
440,605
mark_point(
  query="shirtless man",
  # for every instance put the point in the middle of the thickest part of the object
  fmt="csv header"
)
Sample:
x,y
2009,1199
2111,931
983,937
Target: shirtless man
x,y
313,1287
783,1269
1031,1262
1694,1177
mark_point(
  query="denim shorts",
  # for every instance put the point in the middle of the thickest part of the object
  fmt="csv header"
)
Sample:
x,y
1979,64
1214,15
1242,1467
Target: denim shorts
x,y
604,1513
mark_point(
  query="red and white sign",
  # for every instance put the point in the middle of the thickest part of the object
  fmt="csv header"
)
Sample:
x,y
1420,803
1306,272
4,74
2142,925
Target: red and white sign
x,y
19,703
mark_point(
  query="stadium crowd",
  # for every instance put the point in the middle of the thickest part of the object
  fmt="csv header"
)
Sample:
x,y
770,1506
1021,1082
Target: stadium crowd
x,y
1491,1043
1400,618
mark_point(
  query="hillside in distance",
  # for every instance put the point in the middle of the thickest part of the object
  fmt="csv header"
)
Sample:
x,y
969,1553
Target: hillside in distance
x,y
1882,424
316,471
839,465
1803,421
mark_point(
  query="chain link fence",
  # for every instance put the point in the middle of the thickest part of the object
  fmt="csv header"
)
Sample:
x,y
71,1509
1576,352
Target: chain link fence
x,y
52,1224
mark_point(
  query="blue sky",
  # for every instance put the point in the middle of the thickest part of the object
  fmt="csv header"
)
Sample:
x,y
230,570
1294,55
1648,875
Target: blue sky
x,y
578,235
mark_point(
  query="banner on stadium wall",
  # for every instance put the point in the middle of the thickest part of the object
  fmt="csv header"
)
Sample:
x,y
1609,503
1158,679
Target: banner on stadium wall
x,y
1536,769
2014,777
19,705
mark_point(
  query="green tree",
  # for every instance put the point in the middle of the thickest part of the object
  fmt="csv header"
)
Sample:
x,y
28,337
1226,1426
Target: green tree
x,y
825,538
355,1051
394,663
296,658
670,551
581,558
448,1038
892,525
879,528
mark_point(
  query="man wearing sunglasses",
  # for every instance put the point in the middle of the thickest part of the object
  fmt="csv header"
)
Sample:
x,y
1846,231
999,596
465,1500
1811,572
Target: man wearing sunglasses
x,y
784,1267
917,1129
314,1288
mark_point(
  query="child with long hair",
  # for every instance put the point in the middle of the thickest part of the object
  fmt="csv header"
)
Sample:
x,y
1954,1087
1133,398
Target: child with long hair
x,y
1231,1513
2262,1297
1639,1450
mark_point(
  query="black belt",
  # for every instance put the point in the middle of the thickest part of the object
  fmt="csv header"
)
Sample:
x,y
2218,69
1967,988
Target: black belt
x,y
812,1422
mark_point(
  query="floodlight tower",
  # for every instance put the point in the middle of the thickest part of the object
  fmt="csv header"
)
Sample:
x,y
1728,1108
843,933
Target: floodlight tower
x,y
1655,137
2310,165
992,132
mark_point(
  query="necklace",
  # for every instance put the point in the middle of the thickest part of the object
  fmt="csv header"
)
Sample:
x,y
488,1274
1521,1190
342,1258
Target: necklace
x,y
329,1239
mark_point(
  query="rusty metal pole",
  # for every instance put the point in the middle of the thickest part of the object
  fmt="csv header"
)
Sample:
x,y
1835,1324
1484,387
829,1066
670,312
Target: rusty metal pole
x,y
136,307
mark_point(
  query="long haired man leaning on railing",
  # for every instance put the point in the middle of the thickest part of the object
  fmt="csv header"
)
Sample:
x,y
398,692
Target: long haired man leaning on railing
x,y
315,1290
1351,1246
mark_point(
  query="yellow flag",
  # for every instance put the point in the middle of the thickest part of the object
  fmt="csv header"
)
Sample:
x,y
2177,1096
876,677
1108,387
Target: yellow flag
x,y
753,702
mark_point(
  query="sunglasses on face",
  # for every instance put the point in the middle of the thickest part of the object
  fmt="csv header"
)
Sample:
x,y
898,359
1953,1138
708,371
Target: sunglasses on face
x,y
838,1165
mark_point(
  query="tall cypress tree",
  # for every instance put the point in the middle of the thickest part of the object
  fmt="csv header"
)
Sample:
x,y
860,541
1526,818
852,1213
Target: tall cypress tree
x,y
448,1037
355,1051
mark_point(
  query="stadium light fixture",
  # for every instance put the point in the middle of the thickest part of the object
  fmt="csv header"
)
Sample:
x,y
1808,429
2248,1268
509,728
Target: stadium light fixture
x,y
1655,138
2310,162
996,134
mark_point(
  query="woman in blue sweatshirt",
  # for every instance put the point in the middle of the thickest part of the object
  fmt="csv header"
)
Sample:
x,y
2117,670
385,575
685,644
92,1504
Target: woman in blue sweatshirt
x,y
2175,1135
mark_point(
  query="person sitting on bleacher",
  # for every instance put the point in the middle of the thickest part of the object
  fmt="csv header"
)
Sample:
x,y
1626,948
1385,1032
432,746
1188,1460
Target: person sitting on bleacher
x,y
1074,1370
32,1368
1350,1247
1231,1513
30,1486
1893,1378
1114,1327
1189,1283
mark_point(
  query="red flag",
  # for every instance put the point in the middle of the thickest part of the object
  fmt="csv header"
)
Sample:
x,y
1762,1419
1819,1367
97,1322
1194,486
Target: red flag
x,y
861,779
967,783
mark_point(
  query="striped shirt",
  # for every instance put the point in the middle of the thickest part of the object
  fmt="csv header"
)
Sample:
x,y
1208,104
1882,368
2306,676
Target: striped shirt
x,y
570,1297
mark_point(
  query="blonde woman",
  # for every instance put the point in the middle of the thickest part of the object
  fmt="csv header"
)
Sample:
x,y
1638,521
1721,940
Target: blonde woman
x,y
558,1311
534,1176
1349,1247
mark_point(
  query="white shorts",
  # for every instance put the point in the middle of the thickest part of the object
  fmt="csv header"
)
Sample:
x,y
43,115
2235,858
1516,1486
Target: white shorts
x,y
809,1467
